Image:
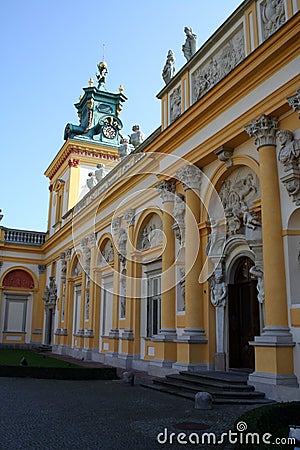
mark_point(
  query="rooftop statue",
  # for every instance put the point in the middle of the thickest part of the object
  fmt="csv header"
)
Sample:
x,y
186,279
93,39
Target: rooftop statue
x,y
169,69
91,181
101,75
189,48
137,137
124,149
100,172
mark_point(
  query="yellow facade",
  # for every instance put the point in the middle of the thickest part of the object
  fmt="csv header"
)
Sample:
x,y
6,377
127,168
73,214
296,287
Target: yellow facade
x,y
185,256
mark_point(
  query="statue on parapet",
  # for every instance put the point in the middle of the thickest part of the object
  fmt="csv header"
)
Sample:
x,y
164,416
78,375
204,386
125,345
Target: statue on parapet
x,y
100,172
91,181
189,48
137,137
169,68
124,149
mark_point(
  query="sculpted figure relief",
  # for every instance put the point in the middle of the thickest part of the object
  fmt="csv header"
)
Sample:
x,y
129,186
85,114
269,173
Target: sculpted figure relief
x,y
218,66
273,16
175,104
249,219
290,148
179,209
218,290
169,69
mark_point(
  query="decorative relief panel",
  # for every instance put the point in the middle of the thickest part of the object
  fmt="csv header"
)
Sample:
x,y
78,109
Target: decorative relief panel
x,y
219,65
107,252
175,104
240,189
237,195
151,234
18,279
272,16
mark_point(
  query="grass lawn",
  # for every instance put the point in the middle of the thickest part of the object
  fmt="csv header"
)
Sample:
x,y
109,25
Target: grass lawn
x,y
12,357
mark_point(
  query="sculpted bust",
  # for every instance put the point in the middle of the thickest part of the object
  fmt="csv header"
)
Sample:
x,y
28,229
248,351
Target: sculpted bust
x,y
290,148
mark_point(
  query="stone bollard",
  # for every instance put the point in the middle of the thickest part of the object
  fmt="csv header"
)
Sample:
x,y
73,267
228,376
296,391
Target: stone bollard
x,y
23,362
128,378
203,400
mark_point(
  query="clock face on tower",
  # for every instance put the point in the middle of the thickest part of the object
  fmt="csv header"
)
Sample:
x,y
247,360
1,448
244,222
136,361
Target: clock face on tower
x,y
109,131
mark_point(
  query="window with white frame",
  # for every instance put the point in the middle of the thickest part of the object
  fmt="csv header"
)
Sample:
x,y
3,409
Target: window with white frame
x,y
153,303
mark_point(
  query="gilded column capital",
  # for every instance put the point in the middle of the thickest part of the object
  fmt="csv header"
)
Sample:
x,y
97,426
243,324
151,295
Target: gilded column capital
x,y
294,101
190,176
263,130
166,190
129,216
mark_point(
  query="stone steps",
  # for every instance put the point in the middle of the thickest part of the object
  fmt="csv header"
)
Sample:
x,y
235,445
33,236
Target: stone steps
x,y
225,387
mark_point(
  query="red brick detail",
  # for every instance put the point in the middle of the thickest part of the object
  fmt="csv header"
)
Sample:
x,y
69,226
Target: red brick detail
x,y
18,279
73,162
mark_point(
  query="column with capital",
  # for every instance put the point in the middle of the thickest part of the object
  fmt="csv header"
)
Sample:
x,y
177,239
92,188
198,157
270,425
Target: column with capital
x,y
38,306
274,348
114,332
190,349
166,347
130,330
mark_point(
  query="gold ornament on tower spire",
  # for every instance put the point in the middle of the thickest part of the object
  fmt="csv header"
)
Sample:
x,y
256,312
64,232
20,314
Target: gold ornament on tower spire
x,y
91,82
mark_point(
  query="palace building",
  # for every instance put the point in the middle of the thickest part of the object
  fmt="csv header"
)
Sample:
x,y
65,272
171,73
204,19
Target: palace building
x,y
179,251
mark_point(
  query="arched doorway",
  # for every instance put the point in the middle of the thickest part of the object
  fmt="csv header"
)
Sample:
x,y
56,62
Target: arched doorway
x,y
243,315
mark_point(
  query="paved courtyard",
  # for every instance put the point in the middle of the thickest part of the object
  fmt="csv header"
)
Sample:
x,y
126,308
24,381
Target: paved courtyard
x,y
92,415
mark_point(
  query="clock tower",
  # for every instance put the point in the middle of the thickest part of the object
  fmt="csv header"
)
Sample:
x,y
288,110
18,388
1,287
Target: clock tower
x,y
98,112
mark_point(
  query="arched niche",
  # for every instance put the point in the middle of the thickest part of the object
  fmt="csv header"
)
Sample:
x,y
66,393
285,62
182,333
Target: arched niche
x,y
150,232
18,278
106,251
76,267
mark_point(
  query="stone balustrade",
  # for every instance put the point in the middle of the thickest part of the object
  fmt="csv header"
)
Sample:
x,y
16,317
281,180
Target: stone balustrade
x,y
24,237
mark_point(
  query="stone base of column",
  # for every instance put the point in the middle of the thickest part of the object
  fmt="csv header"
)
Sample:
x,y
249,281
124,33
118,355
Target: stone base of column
x,y
128,334
159,368
282,388
166,334
193,335
274,336
274,364
114,333
220,361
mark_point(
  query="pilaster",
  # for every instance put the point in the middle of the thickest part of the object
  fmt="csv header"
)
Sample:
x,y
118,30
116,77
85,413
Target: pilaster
x,y
165,346
194,333
276,334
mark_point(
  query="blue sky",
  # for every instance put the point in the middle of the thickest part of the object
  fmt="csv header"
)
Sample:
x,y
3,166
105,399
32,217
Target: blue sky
x,y
49,50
